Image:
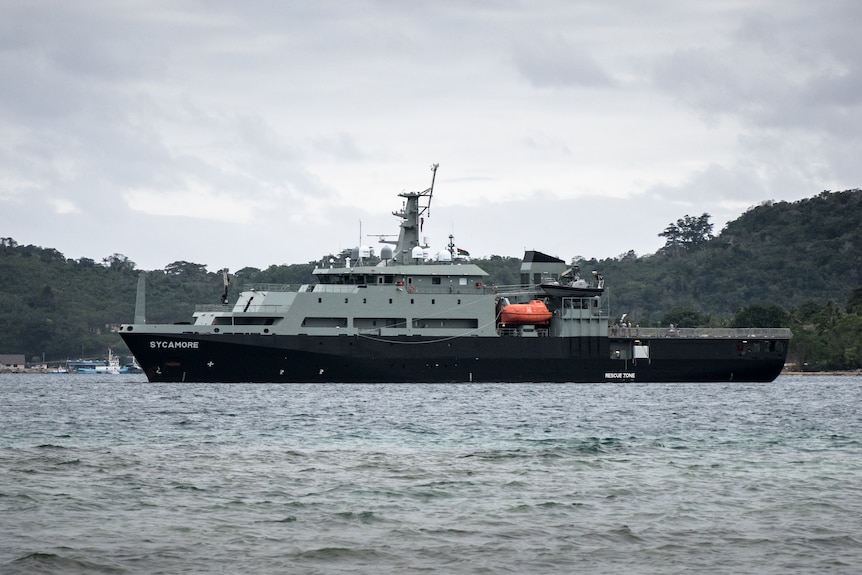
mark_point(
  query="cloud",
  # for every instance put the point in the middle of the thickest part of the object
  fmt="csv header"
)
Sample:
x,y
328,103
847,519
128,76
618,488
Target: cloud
x,y
196,201
556,62
583,124
64,206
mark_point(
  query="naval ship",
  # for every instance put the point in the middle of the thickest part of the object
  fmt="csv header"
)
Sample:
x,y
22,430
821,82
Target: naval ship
x,y
407,315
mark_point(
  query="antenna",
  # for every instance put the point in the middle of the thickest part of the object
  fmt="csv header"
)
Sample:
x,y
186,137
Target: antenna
x,y
431,189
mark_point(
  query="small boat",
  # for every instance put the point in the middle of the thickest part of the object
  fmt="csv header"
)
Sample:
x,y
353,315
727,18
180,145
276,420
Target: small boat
x,y
533,313
570,284
110,367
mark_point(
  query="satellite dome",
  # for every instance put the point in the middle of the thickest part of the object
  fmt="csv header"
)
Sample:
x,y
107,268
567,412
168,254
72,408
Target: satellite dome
x,y
386,252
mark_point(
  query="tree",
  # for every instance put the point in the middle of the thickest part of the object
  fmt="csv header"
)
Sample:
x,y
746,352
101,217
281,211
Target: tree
x,y
119,262
49,255
685,317
184,268
45,299
688,232
760,316
854,302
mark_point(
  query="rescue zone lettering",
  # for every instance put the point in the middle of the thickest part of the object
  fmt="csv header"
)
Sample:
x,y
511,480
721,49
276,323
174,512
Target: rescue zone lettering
x,y
174,344
618,375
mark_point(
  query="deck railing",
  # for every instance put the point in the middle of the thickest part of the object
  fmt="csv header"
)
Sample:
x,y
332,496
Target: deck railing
x,y
270,287
696,332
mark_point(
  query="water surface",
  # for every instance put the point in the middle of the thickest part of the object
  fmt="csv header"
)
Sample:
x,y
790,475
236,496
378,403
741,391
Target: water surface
x,y
109,474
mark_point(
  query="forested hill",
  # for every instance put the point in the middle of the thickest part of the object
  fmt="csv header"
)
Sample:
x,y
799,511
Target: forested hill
x,y
803,259
778,253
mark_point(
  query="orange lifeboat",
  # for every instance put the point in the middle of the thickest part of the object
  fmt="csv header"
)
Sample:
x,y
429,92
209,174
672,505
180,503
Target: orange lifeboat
x,y
533,313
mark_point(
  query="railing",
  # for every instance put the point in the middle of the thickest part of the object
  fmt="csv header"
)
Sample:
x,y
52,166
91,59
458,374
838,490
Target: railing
x,y
213,307
516,290
470,289
269,287
696,332
253,308
508,290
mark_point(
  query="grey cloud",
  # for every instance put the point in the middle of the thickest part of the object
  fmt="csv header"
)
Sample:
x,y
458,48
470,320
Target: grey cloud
x,y
555,62
101,97
777,69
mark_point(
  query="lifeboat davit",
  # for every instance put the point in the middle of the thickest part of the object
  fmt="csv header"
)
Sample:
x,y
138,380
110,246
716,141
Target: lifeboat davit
x,y
533,313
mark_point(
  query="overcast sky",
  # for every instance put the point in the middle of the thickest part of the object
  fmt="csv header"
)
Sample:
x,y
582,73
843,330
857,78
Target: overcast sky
x,y
235,134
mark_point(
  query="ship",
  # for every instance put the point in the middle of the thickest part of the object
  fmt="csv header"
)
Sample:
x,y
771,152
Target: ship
x,y
408,315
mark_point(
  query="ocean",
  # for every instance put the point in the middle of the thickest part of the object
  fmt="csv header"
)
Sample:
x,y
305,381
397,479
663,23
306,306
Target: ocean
x,y
110,474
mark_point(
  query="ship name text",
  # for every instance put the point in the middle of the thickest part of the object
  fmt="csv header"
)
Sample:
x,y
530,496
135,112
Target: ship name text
x,y
174,344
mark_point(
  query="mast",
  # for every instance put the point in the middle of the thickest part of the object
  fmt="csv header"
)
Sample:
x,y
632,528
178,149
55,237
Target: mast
x,y
141,299
412,216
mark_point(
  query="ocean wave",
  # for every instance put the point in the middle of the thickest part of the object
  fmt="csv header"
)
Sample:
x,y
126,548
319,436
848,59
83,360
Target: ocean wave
x,y
47,563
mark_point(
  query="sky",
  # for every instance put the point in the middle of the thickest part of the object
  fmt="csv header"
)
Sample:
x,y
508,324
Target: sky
x,y
258,133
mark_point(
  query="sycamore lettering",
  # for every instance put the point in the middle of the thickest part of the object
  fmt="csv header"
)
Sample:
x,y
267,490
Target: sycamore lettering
x,y
173,344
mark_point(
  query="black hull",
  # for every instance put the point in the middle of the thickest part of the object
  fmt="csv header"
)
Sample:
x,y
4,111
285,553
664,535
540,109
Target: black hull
x,y
352,359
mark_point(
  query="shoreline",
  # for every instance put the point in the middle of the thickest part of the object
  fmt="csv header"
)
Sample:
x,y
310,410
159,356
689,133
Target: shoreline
x,y
851,372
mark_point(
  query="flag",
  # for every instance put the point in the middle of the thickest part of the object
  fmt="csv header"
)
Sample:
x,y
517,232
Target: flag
x,y
462,252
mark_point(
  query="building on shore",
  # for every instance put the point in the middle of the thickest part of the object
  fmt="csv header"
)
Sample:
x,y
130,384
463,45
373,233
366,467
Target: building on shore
x,y
12,362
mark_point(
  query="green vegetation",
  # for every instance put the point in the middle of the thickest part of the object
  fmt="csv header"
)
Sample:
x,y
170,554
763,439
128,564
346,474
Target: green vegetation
x,y
780,264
